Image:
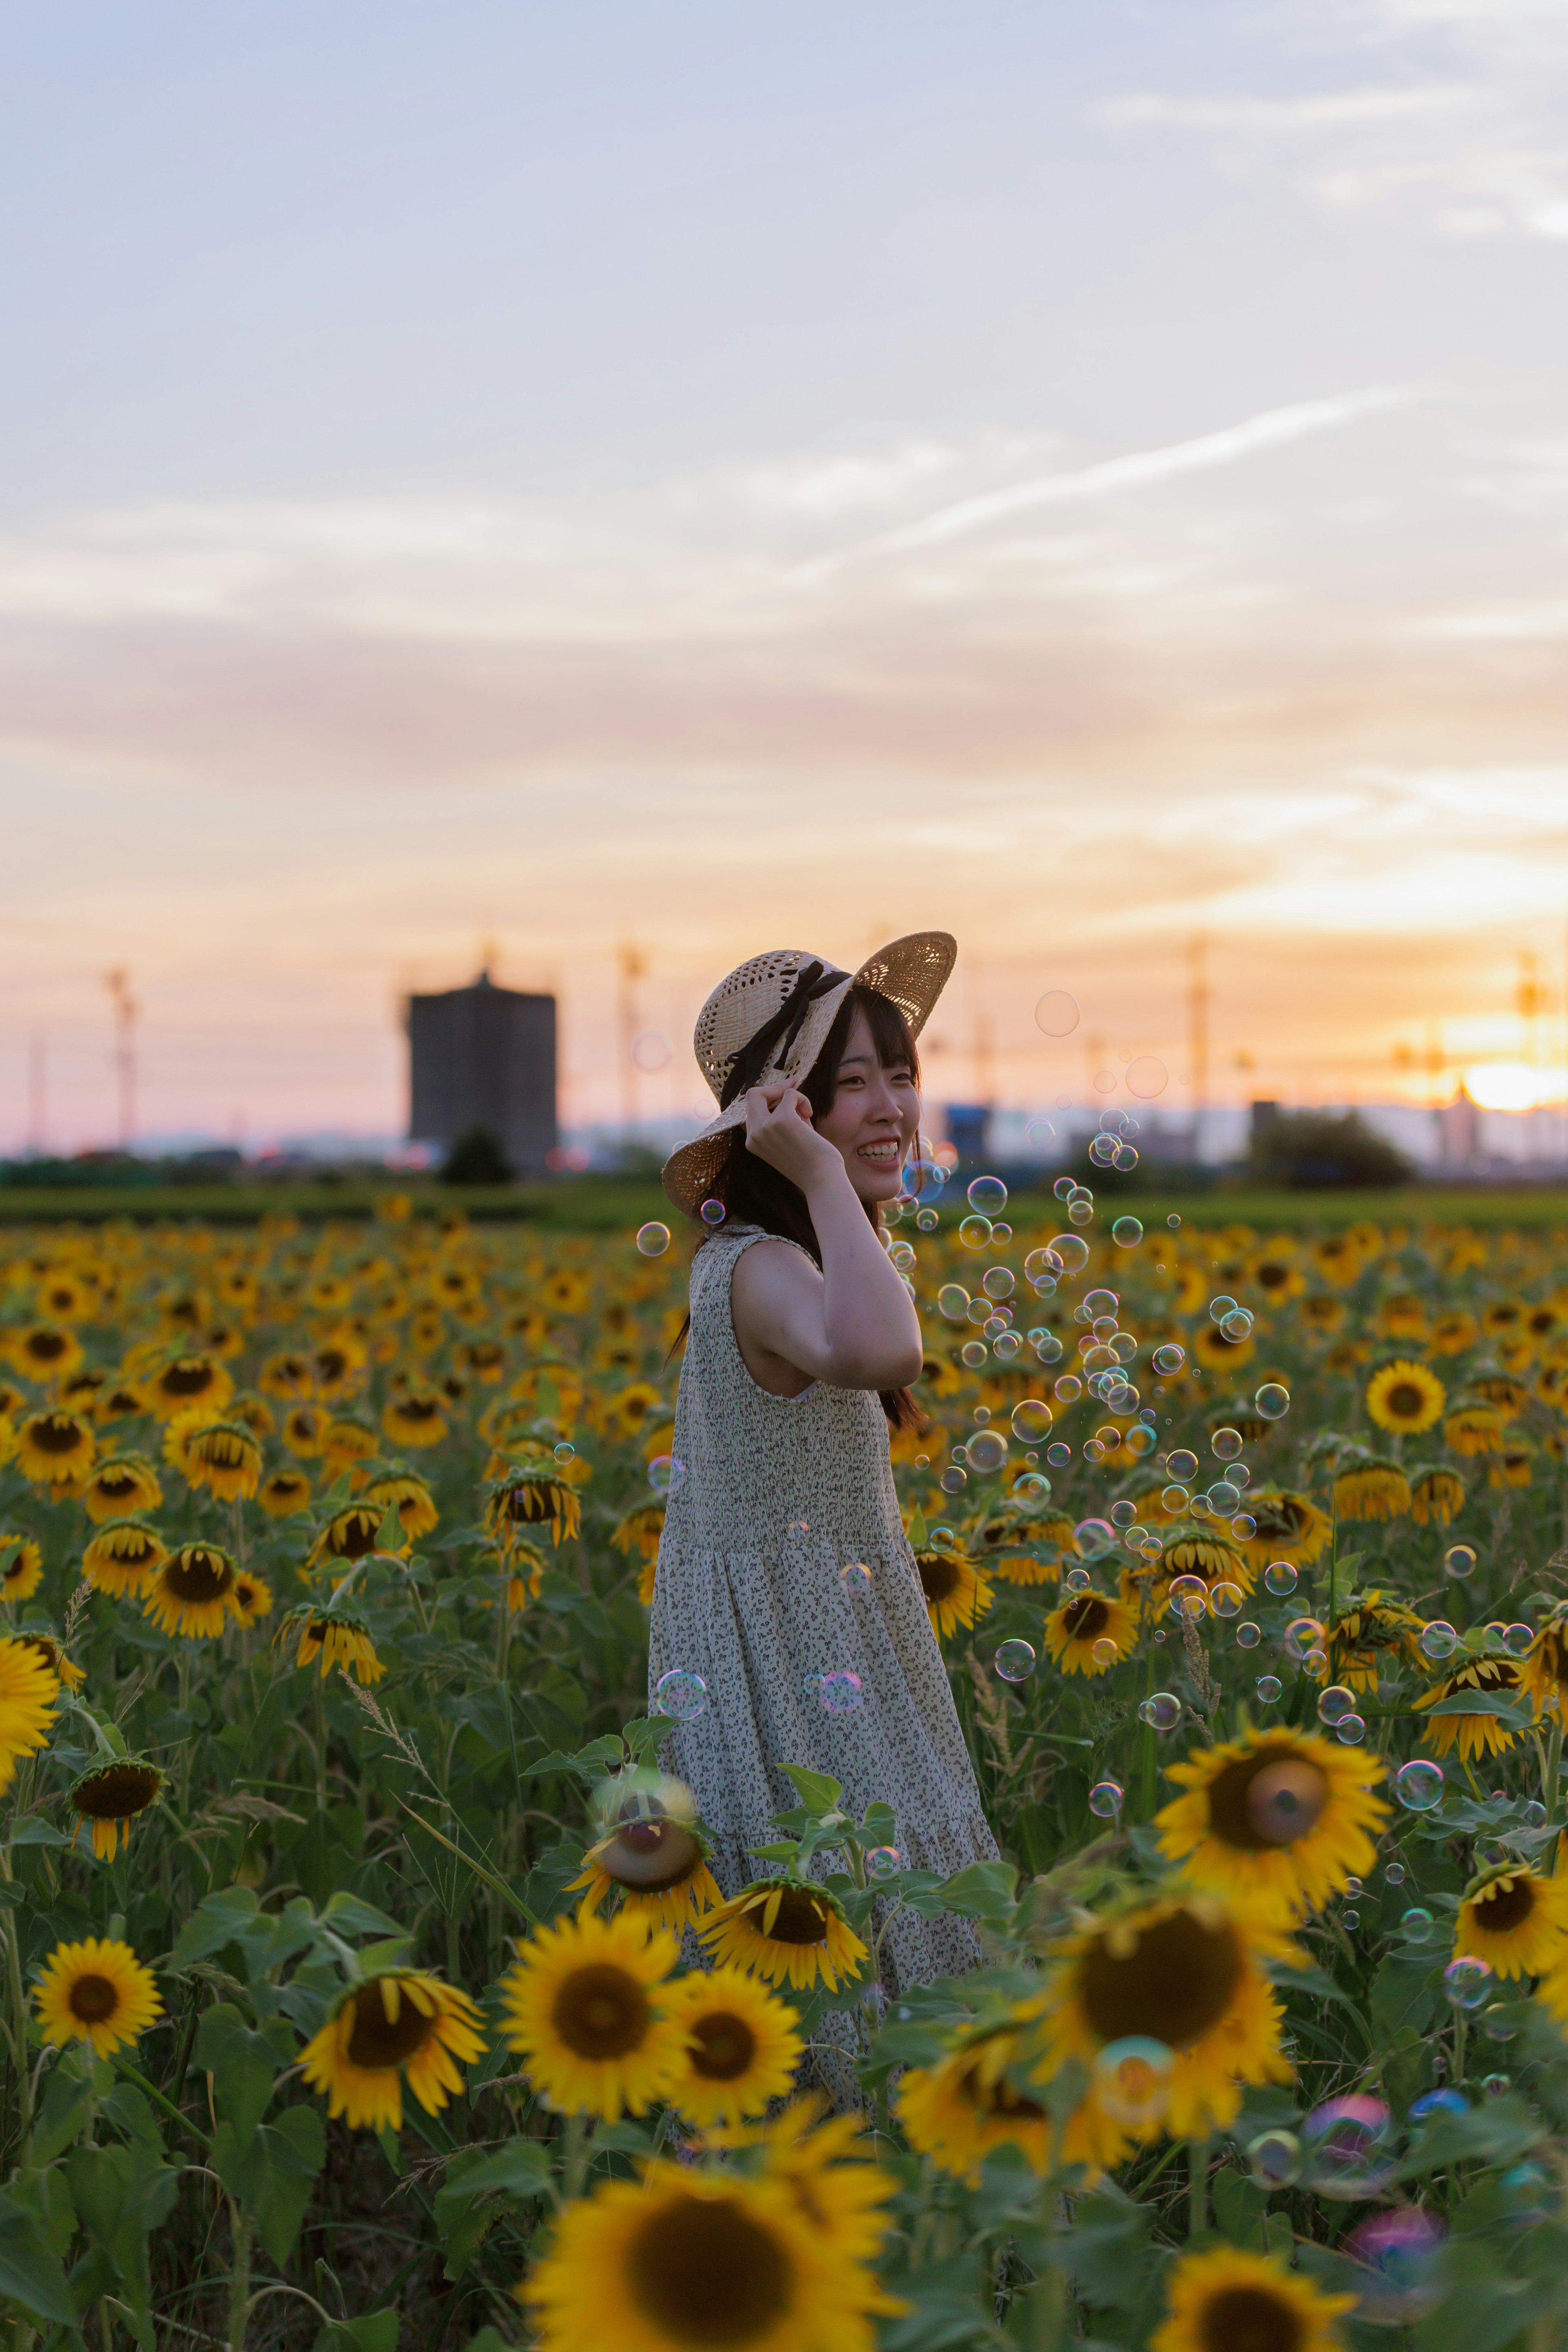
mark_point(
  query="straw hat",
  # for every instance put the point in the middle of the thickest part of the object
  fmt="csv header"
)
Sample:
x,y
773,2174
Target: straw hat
x,y
769,1020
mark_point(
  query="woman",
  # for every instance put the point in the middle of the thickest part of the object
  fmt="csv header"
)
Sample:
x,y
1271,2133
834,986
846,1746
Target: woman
x,y
784,1557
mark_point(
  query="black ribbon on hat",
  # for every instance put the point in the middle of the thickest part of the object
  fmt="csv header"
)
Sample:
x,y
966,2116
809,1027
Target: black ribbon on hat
x,y
774,1038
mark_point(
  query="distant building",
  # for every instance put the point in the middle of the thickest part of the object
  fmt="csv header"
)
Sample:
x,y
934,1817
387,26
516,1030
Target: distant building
x,y
1459,1132
484,1057
969,1131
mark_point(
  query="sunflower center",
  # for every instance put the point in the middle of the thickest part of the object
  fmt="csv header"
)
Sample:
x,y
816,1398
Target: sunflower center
x,y
1249,2319
116,1792
198,1575
1267,1800
940,1578
601,2011
999,2098
58,1433
1405,1400
45,1347
379,2041
802,1918
725,2047
355,1534
650,1854
1171,1980
94,1999
189,1377
133,1550
1505,1906
117,1484
705,2273
1086,1616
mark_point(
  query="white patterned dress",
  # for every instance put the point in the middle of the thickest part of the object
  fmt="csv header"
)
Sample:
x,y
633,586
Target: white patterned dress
x,y
780,1494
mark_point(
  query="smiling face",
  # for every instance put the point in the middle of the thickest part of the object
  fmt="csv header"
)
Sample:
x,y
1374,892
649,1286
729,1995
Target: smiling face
x,y
873,1116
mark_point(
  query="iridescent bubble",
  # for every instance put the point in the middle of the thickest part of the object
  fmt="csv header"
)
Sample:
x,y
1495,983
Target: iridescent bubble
x,y
1220,1308
1057,1014
1244,1526
998,1282
1123,1513
1274,2160
653,1240
799,1528
1301,1634
1280,1576
1441,2102
1030,1420
1146,1077
973,1353
1106,1798
1460,1561
1223,1496
1105,1082
1039,1133
1416,1925
1397,2253
1268,1688
1224,1599
927,1220
883,1862
1077,1579
1345,2142
1048,1349
1335,1703
1188,1597
1534,1815
1168,1358
1095,1303
1126,1232
987,1452
1530,2190
1316,1665
1093,1538
939,1539
1125,1157
1133,2080
712,1213
667,1474
1031,1489
1058,1456
1015,1661
975,1233
1065,1186
1068,1389
1438,1638
952,1301
1069,1251
1104,1653
953,1479
811,1684
856,1579
650,1051
565,1452
1272,1401
1418,1785
1248,1635
1237,1324
988,1196
1395,1874
1173,1221
840,1691
1518,1638
1467,1982
681,1695
1182,1464
1350,1730
1161,1711
1496,2025
1007,1345
1174,1499
1081,1212
1350,1920
1225,1445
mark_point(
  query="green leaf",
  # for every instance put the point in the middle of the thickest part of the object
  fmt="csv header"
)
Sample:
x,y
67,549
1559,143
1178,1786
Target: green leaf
x,y
589,1763
243,2067
31,2272
349,1915
487,2340
378,2333
816,1790
293,2148
120,2201
985,1890
217,1921
61,2113
1239,2208
1515,1713
782,1849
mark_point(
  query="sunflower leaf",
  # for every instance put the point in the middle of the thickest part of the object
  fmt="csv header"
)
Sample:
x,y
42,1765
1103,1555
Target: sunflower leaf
x,y
31,2273
1514,1714
817,1791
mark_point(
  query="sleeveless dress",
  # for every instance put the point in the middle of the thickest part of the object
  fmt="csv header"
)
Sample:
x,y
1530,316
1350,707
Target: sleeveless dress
x,y
780,1494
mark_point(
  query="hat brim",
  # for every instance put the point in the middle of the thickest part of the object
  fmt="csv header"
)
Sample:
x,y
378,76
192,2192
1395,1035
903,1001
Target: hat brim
x,y
911,972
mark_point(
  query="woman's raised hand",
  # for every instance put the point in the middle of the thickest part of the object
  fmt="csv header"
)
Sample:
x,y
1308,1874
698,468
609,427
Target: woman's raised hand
x,y
779,1130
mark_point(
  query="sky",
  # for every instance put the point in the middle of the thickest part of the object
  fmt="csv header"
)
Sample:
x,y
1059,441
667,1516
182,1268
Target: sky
x,y
499,483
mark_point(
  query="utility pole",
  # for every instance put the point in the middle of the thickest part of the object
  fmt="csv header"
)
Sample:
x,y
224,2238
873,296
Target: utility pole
x,y
633,968
37,1061
1198,1033
126,1008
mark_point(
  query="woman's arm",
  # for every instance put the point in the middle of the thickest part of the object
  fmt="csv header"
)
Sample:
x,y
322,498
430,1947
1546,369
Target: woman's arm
x,y
854,1324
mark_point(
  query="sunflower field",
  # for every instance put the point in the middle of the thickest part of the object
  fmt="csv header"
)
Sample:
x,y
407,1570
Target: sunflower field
x,y
364,1982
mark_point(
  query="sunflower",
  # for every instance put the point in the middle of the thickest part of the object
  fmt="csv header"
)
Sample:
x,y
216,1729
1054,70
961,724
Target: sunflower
x,y
346,1443
121,1483
1323,1313
406,1493
252,1597
55,1450
660,1866
1453,1333
338,1363
192,1591
1208,1550
523,1567
305,1430
337,1640
624,1413
956,1591
350,1534
486,1358
742,2046
403,2024
44,1352
787,1929
111,1797
282,1493
1404,1398
683,2258
531,1492
1503,1391
252,1413
1512,1467
1437,1496
1278,1819
53,1653
638,1531
1477,1734
1228,2299
223,1456
1473,1428
1515,1921
1402,1315
183,1383
1014,1539
1217,1353
588,2011
29,1692
957,2111
21,1568
1075,1631
1183,1970
1373,1631
288,1377
1372,1486
418,1417
98,1993
1289,1525
1546,1665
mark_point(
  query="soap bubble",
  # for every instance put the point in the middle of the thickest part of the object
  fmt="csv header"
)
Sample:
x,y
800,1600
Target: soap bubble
x,y
975,1233
953,1479
1161,1711
1530,2190
653,1240
1182,1464
1127,1233
1224,1599
1039,1133
1068,1251
1077,1579
1237,1324
856,1579
1244,1526
1057,1014
1031,1489
565,1452
1518,1638
1146,1077
1394,1873
1133,2080
952,1301
1418,1785
1248,1635
1058,1456
1220,1308
1030,1420
1534,1815
681,1695
1015,1661
1316,1665
988,1196
1268,1688
667,1474
1335,1703
973,1353
1093,1538
1068,1389
1174,1499
1104,1653
1438,1638
1081,1212
1272,1401
1345,2142
987,1451
1168,1358
1398,2253
883,1862
1441,2102
1460,1561
650,1051
1467,1982
939,1539
998,1282
1105,1800
712,1213
1417,1924
1274,2160
1284,1799
1125,1156
1223,1496
1301,1634
1188,1597
840,1691
1281,1577
1225,1445
927,1220
799,1528
1123,1513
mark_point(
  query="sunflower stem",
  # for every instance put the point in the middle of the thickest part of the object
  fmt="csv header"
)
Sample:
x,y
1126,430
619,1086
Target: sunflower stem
x,y
579,2152
239,2278
19,2023
1197,2187
1549,1784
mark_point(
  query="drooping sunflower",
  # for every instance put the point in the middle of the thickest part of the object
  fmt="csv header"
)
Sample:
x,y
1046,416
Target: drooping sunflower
x,y
338,1363
956,1591
348,1444
282,1493
186,1383
349,1534
1515,1921
192,1591
252,1413
288,1377
401,2027
223,1456
1278,1820
305,1430
742,2046
957,2111
683,2258
1512,1466
1405,1398
21,1568
1373,1631
44,1352
1453,1333
29,1693
661,1867
788,1930
1506,1392
55,1450
1025,1547
417,1417
1086,1620
337,1639
1477,1734
53,1652
523,1567
1216,1352
111,1796
120,1484
1402,1315
1473,1428
95,1991
1228,2299
485,1359
532,1492
1185,1971
588,2010
1545,1674
1437,1496
1323,1314
252,1597
1289,1527
638,1531
1371,1486
406,1493
1208,1550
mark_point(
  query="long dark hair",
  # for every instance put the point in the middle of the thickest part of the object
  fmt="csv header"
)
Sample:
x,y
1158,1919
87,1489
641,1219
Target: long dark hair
x,y
754,1193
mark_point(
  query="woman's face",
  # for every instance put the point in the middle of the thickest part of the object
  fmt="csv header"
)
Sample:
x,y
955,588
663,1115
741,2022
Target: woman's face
x,y
874,1115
